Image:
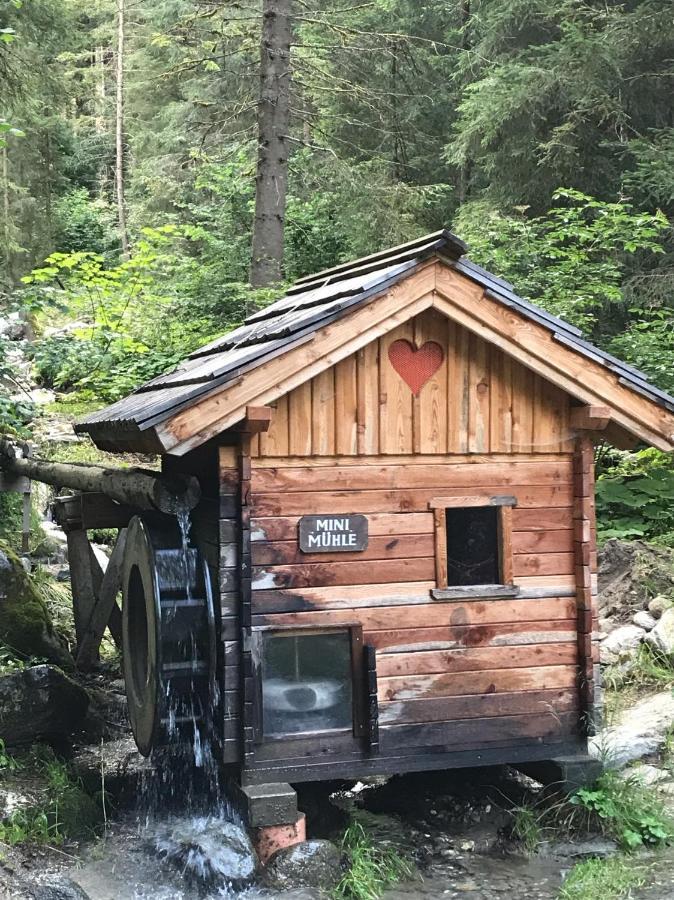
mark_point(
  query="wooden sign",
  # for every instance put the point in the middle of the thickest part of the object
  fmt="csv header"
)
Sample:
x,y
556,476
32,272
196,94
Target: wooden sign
x,y
330,534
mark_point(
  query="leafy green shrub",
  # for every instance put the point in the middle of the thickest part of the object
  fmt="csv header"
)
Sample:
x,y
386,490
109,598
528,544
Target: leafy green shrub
x,y
371,869
627,811
635,498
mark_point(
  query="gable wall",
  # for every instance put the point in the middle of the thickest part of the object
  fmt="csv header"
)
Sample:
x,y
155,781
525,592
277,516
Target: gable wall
x,y
479,401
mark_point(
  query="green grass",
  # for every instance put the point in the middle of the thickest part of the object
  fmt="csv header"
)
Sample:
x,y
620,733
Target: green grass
x,y
66,811
616,806
602,879
621,689
372,867
527,827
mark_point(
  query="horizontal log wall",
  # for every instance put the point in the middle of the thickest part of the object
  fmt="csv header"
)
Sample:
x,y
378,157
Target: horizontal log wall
x,y
479,401
452,675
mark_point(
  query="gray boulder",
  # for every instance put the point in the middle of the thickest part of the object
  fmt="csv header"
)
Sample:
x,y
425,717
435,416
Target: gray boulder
x,y
661,638
56,887
118,762
644,620
40,703
621,644
658,605
641,731
311,864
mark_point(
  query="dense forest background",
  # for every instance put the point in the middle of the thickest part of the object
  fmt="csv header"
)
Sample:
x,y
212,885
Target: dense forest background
x,y
541,131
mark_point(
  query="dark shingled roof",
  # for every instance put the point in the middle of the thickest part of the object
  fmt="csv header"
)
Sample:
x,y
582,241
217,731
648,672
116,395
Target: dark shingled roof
x,y
310,304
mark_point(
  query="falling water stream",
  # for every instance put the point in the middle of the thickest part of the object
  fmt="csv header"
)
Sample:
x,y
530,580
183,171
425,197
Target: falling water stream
x,y
185,840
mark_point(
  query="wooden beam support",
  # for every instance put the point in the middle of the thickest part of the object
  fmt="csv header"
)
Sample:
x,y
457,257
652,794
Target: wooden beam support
x,y
102,614
257,420
590,418
81,579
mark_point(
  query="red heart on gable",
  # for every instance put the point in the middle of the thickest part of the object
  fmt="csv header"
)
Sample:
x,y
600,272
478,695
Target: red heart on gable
x,y
415,365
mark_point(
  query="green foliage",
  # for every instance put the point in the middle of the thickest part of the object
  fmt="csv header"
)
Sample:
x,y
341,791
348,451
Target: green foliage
x,y
66,811
608,879
571,261
526,827
137,317
635,498
627,811
372,868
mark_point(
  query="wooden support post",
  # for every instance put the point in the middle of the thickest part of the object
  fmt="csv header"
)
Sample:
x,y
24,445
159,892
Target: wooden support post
x,y
102,615
256,422
25,521
82,579
585,552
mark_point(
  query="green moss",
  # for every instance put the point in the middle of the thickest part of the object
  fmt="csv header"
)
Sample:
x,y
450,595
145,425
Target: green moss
x,y
25,623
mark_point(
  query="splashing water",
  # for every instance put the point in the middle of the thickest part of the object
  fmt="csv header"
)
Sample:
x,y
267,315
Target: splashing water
x,y
187,817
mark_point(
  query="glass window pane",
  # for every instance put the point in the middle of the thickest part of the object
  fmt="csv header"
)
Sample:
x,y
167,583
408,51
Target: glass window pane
x,y
472,546
306,682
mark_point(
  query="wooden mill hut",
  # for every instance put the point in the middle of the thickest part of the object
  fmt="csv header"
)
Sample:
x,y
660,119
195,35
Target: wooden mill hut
x,y
397,521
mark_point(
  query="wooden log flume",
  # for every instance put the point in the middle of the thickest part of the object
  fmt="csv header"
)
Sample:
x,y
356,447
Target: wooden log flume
x,y
140,488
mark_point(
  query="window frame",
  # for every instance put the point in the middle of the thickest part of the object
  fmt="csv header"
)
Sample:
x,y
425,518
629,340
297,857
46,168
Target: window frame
x,y
358,705
506,587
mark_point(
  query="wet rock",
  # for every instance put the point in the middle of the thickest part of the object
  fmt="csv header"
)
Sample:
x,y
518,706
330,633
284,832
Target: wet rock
x,y
118,763
25,623
301,894
621,644
648,775
56,887
641,731
644,620
40,703
629,573
661,638
596,848
312,864
19,792
208,849
658,605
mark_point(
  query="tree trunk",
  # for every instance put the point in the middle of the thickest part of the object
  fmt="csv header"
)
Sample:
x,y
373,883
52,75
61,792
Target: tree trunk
x,y
136,487
464,172
119,133
273,120
5,207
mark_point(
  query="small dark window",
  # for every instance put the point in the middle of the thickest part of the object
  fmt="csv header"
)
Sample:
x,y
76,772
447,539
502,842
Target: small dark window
x,y
472,545
307,682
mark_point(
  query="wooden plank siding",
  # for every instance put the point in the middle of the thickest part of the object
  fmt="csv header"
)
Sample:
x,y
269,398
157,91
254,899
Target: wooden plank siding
x,y
478,401
441,664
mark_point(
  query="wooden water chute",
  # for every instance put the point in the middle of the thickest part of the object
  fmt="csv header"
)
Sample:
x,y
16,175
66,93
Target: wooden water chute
x,y
396,466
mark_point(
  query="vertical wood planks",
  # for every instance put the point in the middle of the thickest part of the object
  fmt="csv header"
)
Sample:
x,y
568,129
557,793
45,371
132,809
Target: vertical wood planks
x,y
523,408
299,419
323,413
346,407
275,441
430,409
478,396
368,399
395,397
457,388
478,401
